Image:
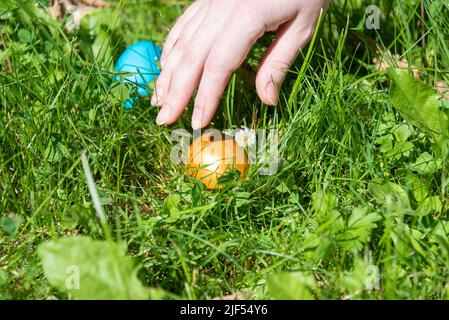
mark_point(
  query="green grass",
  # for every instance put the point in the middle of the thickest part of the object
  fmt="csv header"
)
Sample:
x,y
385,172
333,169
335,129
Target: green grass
x,y
361,183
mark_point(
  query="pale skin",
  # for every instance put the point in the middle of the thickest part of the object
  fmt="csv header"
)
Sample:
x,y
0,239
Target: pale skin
x,y
212,39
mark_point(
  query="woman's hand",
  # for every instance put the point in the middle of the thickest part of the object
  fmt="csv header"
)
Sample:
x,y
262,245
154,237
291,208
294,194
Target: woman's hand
x,y
212,39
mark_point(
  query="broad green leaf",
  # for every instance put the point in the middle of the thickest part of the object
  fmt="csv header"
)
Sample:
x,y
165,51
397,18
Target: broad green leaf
x,y
332,224
196,192
10,224
77,215
55,150
102,49
24,35
97,24
3,278
282,188
394,149
393,140
441,231
431,204
360,225
402,132
91,269
323,203
426,164
407,240
444,103
4,54
388,193
418,104
293,198
418,187
157,293
6,5
171,203
362,277
242,198
324,251
414,240
121,91
291,286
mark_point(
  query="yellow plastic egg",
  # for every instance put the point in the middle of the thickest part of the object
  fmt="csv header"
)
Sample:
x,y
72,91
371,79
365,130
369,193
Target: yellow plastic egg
x,y
212,156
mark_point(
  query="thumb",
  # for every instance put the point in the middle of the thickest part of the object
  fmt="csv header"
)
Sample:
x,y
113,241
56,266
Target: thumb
x,y
292,37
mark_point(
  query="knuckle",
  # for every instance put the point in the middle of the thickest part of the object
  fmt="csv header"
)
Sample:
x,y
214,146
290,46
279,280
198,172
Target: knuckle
x,y
181,43
249,18
250,26
190,56
215,64
255,30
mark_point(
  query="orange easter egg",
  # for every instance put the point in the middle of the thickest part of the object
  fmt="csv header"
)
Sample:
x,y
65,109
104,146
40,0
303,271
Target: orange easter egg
x,y
212,156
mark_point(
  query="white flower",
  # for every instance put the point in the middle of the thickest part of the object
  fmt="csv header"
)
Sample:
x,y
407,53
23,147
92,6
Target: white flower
x,y
245,137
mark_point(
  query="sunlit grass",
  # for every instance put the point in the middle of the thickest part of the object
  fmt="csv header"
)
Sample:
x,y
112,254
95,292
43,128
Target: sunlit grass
x,y
335,121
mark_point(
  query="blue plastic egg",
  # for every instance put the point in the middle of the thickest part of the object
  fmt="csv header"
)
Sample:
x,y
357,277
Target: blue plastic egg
x,y
138,67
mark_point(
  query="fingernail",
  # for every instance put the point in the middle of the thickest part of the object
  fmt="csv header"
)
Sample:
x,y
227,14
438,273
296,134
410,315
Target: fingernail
x,y
272,93
197,118
163,115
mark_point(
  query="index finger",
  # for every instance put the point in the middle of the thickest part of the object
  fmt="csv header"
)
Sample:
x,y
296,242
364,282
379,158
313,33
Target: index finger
x,y
227,54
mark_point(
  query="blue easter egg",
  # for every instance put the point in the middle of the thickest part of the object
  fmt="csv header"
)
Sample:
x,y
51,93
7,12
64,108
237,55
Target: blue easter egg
x,y
138,67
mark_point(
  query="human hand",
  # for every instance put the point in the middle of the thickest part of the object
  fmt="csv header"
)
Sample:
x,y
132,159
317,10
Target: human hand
x,y
212,39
